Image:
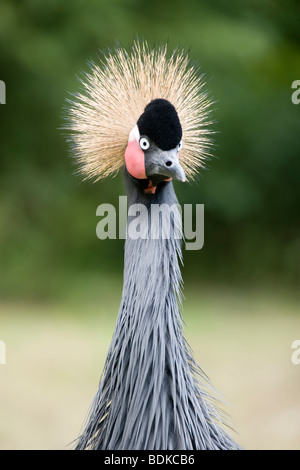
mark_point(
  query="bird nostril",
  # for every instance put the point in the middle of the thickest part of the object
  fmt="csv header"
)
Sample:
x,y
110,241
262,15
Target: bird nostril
x,y
168,163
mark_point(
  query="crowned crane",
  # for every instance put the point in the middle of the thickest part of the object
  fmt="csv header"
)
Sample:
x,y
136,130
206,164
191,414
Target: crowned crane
x,y
144,110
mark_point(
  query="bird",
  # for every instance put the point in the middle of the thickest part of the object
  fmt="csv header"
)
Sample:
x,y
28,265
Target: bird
x,y
142,110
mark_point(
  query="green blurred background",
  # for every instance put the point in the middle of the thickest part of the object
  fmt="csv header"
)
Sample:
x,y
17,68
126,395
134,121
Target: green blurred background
x,y
60,286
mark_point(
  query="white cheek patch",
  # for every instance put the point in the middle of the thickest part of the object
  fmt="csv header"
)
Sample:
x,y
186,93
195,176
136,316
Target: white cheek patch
x,y
134,134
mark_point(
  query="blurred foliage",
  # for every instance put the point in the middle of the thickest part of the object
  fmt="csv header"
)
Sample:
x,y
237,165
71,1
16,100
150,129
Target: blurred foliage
x,y
249,52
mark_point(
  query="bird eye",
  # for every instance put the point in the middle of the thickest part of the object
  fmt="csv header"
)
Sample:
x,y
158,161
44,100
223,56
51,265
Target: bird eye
x,y
144,143
180,145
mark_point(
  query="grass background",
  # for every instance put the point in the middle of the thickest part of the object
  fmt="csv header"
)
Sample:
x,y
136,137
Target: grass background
x,y
56,351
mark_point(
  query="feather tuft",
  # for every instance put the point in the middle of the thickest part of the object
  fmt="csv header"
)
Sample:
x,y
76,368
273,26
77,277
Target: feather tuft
x,y
115,93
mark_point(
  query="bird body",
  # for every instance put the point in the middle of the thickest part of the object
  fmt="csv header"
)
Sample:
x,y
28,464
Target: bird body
x,y
152,394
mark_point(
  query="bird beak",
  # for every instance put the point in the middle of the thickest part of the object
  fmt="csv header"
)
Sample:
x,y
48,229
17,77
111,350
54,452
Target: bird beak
x,y
164,163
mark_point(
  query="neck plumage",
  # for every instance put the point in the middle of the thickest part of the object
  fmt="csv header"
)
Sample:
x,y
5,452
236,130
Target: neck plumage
x,y
151,395
152,249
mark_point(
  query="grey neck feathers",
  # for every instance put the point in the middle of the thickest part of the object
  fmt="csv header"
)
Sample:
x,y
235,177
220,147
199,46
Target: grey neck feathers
x,y
152,395
151,268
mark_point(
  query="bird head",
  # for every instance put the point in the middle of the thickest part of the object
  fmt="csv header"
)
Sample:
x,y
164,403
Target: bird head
x,y
154,144
143,109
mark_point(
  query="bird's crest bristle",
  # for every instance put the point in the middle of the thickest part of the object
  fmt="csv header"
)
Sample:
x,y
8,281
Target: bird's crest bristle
x,y
115,93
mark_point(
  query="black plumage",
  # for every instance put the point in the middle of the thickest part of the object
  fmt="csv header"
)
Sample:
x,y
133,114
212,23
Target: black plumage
x,y
160,122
